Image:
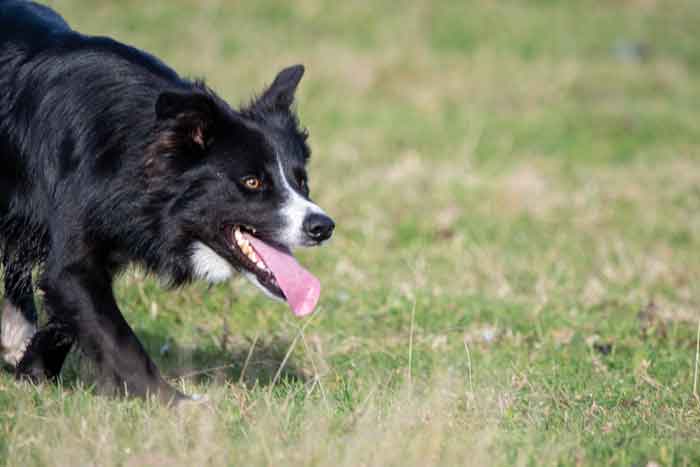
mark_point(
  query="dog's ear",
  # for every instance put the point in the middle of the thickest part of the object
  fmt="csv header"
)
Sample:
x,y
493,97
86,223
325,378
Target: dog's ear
x,y
193,113
280,94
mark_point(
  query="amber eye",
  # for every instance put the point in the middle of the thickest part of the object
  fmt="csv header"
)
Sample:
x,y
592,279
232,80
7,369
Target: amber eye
x,y
253,183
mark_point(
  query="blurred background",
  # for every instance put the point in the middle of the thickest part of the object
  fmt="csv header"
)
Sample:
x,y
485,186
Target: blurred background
x,y
515,185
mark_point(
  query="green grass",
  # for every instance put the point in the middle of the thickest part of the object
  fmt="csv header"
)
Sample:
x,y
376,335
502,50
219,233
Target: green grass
x,y
514,279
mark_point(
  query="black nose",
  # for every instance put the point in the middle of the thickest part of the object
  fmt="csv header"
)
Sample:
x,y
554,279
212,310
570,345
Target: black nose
x,y
318,227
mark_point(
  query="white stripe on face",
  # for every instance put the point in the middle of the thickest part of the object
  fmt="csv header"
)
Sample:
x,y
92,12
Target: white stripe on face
x,y
294,211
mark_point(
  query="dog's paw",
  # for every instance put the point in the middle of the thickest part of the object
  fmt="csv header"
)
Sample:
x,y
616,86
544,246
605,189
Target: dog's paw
x,y
15,334
193,402
199,398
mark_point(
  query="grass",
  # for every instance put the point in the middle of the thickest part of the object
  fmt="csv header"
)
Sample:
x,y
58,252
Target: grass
x,y
514,279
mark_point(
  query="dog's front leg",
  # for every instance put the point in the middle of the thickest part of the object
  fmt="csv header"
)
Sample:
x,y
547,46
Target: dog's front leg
x,y
82,299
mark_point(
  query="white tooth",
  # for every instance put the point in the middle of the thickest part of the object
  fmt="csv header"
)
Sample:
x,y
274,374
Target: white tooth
x,y
238,235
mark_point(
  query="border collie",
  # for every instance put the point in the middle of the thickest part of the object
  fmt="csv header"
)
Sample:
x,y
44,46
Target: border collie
x,y
109,157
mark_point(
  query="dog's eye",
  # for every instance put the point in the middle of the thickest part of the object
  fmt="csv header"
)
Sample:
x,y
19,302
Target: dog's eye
x,y
253,183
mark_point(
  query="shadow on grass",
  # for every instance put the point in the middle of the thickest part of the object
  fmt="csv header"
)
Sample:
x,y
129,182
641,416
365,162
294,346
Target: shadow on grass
x,y
234,360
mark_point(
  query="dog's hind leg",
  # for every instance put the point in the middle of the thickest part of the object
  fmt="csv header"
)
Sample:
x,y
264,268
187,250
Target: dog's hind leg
x,y
19,317
47,351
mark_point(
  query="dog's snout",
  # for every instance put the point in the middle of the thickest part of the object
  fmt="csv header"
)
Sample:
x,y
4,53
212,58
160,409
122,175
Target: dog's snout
x,y
318,227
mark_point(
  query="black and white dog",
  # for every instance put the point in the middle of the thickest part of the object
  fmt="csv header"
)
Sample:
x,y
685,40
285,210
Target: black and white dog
x,y
109,157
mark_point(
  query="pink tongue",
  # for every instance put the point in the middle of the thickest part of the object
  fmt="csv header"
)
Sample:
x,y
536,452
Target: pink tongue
x,y
300,287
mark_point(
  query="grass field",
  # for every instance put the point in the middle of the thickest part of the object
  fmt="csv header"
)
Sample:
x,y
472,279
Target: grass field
x,y
515,278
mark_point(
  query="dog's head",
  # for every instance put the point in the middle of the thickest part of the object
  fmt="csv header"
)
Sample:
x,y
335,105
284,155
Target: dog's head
x,y
243,197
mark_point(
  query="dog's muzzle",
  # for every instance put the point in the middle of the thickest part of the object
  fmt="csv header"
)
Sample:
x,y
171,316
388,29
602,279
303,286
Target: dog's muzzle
x,y
318,227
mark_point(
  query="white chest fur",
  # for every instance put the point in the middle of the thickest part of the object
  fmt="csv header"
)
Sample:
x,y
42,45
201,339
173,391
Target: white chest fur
x,y
208,265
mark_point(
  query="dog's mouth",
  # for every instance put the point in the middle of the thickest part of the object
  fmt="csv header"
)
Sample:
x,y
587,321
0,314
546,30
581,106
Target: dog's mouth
x,y
275,269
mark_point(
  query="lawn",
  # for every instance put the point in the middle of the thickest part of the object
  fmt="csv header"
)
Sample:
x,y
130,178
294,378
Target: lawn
x,y
515,274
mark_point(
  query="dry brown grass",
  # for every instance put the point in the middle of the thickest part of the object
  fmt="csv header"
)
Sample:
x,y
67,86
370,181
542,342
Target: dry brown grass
x,y
500,167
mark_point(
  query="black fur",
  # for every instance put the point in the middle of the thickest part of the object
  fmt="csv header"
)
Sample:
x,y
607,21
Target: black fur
x,y
107,157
